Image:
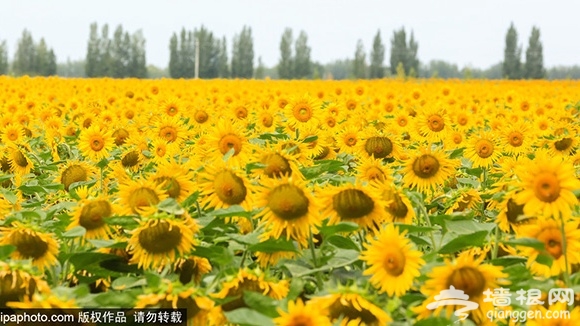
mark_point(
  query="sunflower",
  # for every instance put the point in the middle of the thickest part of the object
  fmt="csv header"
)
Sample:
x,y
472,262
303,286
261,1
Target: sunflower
x,y
40,247
379,145
517,138
162,151
464,199
171,129
347,140
95,143
289,208
19,161
266,121
557,317
547,186
483,150
17,284
222,187
432,124
350,308
399,207
549,232
373,169
56,304
563,146
161,239
192,268
176,296
140,196
510,214
12,134
300,314
228,136
302,112
91,213
356,203
427,169
176,179
393,262
170,106
75,171
276,164
468,274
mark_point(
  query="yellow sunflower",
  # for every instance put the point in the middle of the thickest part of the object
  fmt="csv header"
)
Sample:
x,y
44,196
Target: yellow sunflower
x,y
91,213
347,140
162,151
432,124
393,261
12,134
468,274
140,196
563,146
549,232
483,150
75,171
228,136
301,314
464,199
19,161
547,186
559,314
302,112
17,284
350,308
51,303
356,203
288,208
40,247
176,179
427,169
161,239
399,208
517,138
276,164
171,129
192,269
95,143
373,169
221,187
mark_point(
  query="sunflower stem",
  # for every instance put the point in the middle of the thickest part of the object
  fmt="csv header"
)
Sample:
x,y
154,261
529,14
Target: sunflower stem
x,y
496,243
102,183
314,260
566,275
428,222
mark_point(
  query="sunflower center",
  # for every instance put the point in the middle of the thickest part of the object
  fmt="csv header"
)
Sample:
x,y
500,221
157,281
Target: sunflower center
x,y
241,112
267,120
484,148
160,237
130,159
12,135
229,188
302,112
547,187
331,122
20,159
563,144
375,173
120,136
288,202
435,123
394,262
379,147
346,309
352,204
94,213
402,121
351,105
228,142
29,244
4,164
350,139
160,150
397,207
468,279
515,138
201,116
72,174
426,166
168,133
514,211
97,143
172,110
301,320
276,165
170,185
462,120
142,197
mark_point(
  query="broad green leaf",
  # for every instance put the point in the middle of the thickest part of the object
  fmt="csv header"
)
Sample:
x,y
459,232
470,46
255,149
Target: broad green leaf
x,y
341,227
273,245
342,242
261,303
475,239
248,317
77,231
526,242
171,206
6,251
127,282
216,254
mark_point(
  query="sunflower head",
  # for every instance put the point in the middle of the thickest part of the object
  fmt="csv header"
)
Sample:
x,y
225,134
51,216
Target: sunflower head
x,y
40,247
17,284
75,171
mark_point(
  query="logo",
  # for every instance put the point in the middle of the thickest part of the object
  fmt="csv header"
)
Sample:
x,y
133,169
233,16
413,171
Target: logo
x,y
454,297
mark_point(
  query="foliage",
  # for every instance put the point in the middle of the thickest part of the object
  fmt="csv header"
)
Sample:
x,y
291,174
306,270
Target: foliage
x,y
511,64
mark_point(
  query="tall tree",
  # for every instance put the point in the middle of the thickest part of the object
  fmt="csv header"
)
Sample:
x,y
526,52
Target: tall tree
x,y
208,53
260,70
302,62
359,63
174,62
404,53
25,56
137,56
285,65
93,52
120,53
223,66
104,67
3,58
512,54
377,69
243,54
412,60
534,67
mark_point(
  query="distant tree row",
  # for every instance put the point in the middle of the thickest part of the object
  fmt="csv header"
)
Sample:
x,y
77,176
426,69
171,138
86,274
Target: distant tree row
x,y
512,66
4,65
31,58
122,56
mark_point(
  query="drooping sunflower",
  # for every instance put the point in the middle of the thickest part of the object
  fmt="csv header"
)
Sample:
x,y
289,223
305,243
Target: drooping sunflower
x,y
350,308
140,196
549,232
161,239
276,164
510,215
75,171
483,149
356,203
95,143
427,169
373,169
547,186
30,243
563,146
222,186
399,208
19,161
302,112
464,199
51,303
228,136
17,284
192,269
176,179
380,145
92,213
468,274
301,314
393,262
288,208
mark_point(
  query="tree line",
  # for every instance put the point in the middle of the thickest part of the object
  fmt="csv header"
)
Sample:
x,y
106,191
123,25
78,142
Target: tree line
x,y
123,55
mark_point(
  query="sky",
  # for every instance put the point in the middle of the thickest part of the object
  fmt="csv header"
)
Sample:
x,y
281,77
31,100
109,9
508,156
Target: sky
x,y
464,32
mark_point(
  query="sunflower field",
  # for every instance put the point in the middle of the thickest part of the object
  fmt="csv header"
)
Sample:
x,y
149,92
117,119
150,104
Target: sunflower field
x,y
262,202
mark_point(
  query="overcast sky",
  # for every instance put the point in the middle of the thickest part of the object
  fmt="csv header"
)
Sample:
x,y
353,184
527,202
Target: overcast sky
x,y
465,32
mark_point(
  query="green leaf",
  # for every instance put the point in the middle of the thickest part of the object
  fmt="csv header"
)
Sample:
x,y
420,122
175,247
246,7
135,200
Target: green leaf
x,y
101,243
342,242
261,303
190,200
545,259
310,139
248,317
32,190
82,259
415,228
102,163
273,245
116,299
6,251
526,242
341,227
127,222
468,226
247,239
475,239
434,321
235,210
296,288
229,154
171,206
216,254
127,282
77,231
